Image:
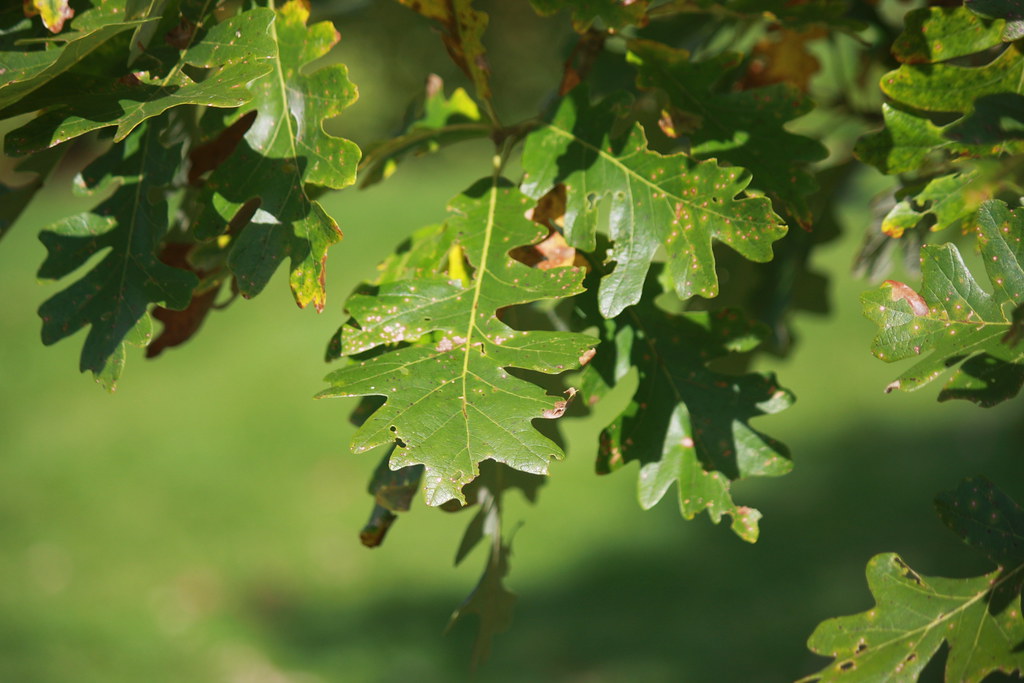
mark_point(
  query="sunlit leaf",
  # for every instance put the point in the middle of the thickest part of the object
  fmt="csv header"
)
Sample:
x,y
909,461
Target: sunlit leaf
x,y
53,13
953,322
463,36
745,128
235,52
451,401
950,202
282,154
978,618
673,202
942,107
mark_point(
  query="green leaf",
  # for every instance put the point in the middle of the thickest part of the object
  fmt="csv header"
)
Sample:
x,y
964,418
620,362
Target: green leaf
x,y
1010,10
954,322
979,618
744,128
688,424
451,402
236,52
28,70
986,519
284,152
951,201
984,102
914,615
433,121
937,34
612,14
114,295
653,201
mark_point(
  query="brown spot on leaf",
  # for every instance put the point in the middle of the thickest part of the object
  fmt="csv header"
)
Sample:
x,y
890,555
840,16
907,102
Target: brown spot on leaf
x,y
899,290
558,410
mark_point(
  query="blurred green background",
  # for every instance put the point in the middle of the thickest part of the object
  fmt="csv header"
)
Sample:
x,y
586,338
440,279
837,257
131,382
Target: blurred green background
x,y
201,523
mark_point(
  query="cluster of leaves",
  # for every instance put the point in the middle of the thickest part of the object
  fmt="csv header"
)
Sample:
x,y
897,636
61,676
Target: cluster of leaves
x,y
660,230
198,107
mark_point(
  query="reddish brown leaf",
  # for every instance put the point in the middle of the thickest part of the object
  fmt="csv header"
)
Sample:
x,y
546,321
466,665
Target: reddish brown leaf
x,y
902,291
212,154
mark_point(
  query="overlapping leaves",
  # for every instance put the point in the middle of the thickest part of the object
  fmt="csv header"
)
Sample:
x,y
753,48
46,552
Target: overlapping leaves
x,y
450,400
113,296
75,97
688,424
954,321
652,201
985,102
284,152
745,128
979,618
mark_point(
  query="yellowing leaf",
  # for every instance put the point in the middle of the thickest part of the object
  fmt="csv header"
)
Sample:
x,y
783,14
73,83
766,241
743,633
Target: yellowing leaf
x,y
53,13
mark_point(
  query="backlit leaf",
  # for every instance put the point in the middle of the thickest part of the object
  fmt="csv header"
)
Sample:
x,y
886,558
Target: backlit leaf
x,y
441,353
653,201
950,201
978,618
957,323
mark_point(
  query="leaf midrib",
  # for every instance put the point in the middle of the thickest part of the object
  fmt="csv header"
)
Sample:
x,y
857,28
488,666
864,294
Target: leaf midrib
x,y
626,170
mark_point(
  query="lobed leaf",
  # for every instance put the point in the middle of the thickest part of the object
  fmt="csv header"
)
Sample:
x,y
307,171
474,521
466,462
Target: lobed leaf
x,y
25,71
113,296
744,128
284,152
688,424
451,401
949,201
979,618
954,322
104,94
984,102
652,201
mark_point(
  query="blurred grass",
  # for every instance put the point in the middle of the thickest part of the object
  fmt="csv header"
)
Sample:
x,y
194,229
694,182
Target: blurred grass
x,y
200,524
